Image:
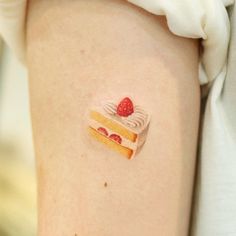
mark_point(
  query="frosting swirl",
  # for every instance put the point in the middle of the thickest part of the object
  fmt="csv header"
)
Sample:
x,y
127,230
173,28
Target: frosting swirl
x,y
110,108
137,119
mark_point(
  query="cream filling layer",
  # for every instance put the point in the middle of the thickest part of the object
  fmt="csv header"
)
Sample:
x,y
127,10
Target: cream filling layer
x,y
125,142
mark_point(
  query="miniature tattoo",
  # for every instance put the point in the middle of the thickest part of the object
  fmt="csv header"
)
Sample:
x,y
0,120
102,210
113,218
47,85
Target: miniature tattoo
x,y
121,126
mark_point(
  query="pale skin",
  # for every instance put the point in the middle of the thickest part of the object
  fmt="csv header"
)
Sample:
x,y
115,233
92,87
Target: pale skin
x,y
83,51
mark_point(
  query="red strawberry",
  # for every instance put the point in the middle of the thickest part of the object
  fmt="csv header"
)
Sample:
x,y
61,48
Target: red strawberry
x,y
116,138
125,107
103,131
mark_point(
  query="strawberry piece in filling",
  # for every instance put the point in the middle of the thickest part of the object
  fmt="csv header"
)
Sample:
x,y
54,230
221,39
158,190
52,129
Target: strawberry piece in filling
x,y
103,131
116,138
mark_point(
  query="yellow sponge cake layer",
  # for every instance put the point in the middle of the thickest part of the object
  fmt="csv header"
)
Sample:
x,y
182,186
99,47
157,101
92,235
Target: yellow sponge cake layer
x,y
110,143
115,126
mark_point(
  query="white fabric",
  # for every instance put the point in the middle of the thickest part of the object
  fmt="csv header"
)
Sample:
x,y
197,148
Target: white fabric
x,y
12,24
209,20
216,201
206,19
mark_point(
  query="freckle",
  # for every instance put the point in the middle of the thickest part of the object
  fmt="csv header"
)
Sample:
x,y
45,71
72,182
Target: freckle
x,y
82,51
105,184
83,155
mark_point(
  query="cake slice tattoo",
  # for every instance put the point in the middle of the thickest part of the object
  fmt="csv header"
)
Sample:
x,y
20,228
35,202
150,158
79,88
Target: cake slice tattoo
x,y
120,126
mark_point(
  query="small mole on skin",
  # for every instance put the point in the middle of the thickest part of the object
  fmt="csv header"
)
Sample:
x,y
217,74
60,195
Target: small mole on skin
x,y
82,51
105,184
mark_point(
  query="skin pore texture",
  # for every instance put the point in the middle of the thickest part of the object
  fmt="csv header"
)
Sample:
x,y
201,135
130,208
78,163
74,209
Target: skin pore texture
x,y
82,52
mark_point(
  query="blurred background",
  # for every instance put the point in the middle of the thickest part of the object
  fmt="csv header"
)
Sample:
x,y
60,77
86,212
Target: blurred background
x,y
17,167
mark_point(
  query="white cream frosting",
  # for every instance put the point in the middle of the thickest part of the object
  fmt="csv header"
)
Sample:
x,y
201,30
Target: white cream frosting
x,y
137,119
110,108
